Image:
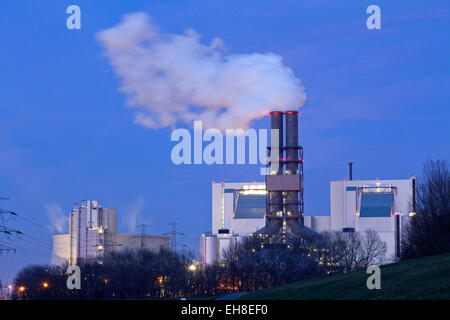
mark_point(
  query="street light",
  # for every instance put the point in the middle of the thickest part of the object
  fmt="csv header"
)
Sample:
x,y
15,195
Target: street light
x,y
21,288
45,285
192,268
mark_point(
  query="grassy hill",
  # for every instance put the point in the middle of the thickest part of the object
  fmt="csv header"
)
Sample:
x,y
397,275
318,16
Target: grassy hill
x,y
424,278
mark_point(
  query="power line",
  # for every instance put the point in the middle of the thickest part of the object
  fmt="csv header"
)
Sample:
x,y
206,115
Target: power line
x,y
33,223
4,229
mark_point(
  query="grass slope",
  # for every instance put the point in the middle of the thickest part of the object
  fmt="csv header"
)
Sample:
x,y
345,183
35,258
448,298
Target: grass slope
x,y
424,278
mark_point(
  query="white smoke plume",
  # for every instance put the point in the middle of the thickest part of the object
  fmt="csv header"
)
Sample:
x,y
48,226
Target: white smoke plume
x,y
132,213
57,218
174,77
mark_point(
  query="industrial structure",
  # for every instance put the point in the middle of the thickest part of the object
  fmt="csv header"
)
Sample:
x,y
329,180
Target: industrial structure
x,y
355,206
93,234
274,209
238,210
284,183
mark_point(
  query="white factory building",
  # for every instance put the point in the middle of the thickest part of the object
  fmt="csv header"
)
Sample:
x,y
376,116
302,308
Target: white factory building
x,y
93,234
238,210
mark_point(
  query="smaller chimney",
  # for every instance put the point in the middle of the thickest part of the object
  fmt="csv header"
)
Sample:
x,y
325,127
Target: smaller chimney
x,y
350,170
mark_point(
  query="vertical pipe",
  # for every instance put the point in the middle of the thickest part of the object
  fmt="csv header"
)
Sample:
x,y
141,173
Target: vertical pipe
x,y
291,142
276,123
292,164
350,170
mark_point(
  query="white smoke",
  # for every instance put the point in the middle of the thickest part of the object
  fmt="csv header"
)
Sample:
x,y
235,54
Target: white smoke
x,y
132,213
57,218
174,77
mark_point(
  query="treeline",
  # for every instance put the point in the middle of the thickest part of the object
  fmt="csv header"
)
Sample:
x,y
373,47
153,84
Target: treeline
x,y
249,266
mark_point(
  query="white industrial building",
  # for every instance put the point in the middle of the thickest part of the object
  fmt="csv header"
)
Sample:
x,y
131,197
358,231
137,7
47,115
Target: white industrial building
x,y
239,209
93,233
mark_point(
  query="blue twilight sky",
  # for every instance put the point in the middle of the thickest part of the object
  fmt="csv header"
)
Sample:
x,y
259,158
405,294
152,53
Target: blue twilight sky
x,y
378,98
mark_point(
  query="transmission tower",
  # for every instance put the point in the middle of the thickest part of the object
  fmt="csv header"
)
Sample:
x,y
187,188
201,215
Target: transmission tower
x,y
5,230
141,231
173,236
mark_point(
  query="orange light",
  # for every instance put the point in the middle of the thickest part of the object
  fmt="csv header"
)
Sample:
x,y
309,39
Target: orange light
x,y
21,288
45,285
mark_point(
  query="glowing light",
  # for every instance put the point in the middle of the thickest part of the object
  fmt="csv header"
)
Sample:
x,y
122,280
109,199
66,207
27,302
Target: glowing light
x,y
397,213
254,187
100,247
412,214
192,267
45,285
252,192
21,288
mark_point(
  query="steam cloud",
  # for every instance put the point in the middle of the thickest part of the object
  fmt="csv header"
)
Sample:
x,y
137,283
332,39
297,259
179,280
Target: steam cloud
x,y
57,218
132,213
174,77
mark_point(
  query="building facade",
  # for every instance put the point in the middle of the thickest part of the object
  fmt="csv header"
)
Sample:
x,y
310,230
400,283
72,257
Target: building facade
x,y
381,205
239,209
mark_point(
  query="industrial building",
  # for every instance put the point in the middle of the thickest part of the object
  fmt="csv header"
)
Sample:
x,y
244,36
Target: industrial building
x,y
238,210
381,205
93,234
274,208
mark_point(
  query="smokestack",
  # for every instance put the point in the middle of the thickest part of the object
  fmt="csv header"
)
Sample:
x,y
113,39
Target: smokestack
x,y
285,187
350,170
292,159
276,123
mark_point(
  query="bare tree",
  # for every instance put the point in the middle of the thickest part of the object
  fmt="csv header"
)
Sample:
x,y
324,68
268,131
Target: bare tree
x,y
428,232
349,251
373,249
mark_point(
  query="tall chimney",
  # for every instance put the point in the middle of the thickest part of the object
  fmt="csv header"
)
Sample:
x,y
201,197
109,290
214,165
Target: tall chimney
x,y
276,123
284,200
350,170
292,159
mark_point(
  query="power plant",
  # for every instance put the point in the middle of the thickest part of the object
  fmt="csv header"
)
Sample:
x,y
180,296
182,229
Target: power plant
x,y
274,209
93,234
